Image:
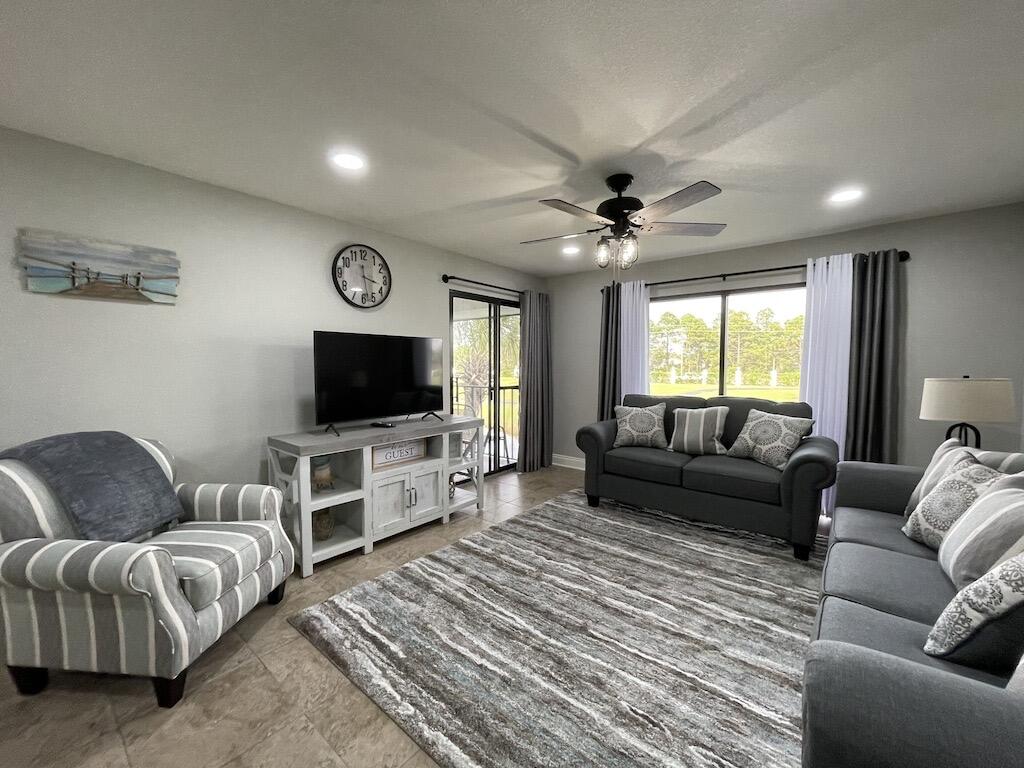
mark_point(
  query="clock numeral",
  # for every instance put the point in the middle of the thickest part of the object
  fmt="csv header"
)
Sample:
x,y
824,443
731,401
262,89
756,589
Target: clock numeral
x,y
380,269
347,261
344,285
373,297
364,298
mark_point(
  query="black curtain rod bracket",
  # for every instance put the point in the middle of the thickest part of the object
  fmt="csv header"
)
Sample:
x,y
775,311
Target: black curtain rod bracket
x,y
450,278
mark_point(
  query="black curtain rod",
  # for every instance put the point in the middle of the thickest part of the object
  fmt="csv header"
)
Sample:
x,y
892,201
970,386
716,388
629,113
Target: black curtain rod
x,y
904,256
449,278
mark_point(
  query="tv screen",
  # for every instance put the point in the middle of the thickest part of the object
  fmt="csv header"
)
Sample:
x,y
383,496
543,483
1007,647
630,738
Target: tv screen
x,y
361,376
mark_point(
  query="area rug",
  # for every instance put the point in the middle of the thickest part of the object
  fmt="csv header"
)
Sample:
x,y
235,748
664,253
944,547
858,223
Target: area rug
x,y
572,636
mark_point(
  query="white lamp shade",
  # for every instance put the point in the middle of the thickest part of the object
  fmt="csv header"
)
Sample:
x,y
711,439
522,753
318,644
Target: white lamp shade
x,y
970,400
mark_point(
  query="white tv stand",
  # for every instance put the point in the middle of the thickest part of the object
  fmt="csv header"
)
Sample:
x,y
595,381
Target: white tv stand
x,y
371,504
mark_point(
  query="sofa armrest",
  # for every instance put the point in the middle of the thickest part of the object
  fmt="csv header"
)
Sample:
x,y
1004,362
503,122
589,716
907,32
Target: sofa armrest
x,y
885,487
211,502
810,469
864,709
594,440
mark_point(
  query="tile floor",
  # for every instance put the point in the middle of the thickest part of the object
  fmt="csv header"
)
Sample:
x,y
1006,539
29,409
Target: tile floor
x,y
262,696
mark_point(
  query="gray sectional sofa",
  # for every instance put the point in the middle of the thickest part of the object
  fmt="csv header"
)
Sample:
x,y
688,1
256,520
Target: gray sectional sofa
x,y
872,697
739,493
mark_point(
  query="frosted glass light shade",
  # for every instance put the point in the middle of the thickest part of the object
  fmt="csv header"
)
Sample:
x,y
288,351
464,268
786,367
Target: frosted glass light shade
x,y
970,400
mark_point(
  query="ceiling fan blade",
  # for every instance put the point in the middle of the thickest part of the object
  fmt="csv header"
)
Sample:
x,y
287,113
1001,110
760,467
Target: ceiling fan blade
x,y
681,228
684,198
575,210
560,237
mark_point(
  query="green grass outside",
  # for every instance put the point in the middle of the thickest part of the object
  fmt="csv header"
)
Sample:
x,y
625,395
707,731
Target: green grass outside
x,y
780,394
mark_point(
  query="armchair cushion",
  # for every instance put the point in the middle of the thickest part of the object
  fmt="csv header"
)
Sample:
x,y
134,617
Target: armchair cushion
x,y
212,558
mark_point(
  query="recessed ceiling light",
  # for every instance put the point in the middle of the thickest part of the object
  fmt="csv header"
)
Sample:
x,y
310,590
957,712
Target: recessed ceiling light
x,y
571,250
348,161
846,195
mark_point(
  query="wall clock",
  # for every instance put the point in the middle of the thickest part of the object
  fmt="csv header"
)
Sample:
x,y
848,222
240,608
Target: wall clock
x,y
361,276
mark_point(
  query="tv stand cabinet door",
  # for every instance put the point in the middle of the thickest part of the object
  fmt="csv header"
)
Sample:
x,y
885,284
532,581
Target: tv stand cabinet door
x,y
426,485
391,498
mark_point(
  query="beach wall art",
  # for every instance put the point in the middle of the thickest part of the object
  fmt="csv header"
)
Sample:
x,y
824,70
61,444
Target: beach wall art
x,y
69,265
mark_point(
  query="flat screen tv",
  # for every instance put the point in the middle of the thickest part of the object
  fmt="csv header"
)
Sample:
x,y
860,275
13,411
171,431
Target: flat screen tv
x,y
363,376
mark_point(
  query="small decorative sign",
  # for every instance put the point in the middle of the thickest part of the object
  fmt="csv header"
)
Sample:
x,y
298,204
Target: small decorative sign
x,y
399,453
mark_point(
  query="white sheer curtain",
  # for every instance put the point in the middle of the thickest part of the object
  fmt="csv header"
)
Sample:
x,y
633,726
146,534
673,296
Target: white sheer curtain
x,y
825,369
635,305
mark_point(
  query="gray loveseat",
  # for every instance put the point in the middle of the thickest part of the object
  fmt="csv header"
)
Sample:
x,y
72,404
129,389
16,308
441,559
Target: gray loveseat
x,y
872,697
740,493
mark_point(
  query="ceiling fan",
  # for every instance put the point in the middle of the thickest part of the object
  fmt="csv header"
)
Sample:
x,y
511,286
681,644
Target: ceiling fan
x,y
626,216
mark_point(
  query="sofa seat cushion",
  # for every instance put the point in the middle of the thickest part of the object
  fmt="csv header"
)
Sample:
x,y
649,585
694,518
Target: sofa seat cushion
x,y
653,464
903,585
877,529
212,558
727,476
857,624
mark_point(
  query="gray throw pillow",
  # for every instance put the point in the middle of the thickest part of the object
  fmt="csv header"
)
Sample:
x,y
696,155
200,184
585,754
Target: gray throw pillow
x,y
983,625
946,455
990,531
640,426
770,438
698,431
947,501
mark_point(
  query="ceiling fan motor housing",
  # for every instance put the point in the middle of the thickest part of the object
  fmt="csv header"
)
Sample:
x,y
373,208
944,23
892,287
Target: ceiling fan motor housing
x,y
618,209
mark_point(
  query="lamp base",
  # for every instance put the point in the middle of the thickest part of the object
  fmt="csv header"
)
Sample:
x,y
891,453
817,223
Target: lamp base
x,y
962,430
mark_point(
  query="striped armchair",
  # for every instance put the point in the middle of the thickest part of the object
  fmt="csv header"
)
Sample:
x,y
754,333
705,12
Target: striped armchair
x,y
146,607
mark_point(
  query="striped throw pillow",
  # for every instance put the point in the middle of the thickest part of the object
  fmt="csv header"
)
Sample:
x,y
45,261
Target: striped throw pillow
x,y
990,531
698,431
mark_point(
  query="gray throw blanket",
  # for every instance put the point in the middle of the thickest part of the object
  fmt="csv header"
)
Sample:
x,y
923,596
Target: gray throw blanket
x,y
110,486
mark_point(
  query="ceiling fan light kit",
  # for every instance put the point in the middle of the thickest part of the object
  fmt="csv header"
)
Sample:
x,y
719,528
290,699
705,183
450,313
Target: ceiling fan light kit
x,y
625,216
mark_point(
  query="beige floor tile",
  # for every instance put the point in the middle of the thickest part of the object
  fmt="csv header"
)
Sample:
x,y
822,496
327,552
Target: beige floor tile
x,y
105,752
220,721
420,760
297,744
308,674
266,626
69,714
502,512
343,573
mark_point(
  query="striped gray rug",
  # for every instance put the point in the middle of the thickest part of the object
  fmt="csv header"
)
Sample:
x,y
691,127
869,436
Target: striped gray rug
x,y
572,636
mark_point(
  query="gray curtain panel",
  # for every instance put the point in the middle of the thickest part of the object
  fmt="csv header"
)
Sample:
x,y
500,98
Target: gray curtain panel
x,y
874,358
608,376
536,430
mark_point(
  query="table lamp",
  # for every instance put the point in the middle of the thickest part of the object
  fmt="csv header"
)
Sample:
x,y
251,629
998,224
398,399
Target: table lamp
x,y
965,400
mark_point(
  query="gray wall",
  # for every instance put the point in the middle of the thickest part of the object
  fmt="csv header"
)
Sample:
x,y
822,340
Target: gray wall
x,y
228,365
964,307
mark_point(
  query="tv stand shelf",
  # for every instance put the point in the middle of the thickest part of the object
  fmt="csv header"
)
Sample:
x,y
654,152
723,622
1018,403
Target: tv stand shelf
x,y
370,504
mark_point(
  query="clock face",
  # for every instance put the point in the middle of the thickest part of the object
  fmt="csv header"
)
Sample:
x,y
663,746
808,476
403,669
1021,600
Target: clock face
x,y
361,276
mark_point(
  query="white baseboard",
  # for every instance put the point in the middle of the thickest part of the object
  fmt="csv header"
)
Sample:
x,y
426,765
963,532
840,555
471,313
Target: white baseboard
x,y
570,462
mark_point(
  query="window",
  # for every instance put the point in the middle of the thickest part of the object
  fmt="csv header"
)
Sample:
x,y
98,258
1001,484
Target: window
x,y
745,343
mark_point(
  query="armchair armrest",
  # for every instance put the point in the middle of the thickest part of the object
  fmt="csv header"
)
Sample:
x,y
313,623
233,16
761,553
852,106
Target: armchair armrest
x,y
129,586
71,565
211,502
594,439
810,469
886,487
863,709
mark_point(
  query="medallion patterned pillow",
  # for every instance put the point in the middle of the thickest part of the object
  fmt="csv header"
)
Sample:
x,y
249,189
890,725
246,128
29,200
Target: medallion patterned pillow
x,y
948,454
948,500
698,431
770,438
983,625
640,426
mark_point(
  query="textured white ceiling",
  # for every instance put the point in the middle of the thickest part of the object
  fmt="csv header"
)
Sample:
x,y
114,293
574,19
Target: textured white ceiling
x,y
469,112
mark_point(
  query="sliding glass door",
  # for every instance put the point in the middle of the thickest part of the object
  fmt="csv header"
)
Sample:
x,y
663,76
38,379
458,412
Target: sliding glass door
x,y
745,343
485,371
